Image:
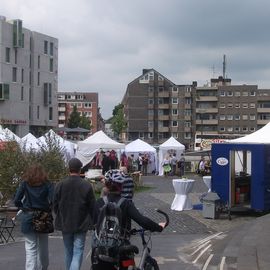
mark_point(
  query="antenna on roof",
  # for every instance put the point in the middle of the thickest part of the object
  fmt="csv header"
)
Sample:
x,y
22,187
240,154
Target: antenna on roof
x,y
224,66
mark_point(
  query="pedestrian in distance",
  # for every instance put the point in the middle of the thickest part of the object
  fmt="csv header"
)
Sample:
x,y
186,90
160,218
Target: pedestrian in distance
x,y
34,193
173,163
181,165
74,202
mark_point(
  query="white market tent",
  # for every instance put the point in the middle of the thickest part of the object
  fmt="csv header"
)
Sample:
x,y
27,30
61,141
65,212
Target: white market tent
x,y
87,149
8,135
139,146
29,142
168,147
69,147
260,136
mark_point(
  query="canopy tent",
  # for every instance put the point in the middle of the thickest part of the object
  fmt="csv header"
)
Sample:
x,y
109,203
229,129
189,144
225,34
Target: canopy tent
x,y
69,147
259,136
29,142
8,135
87,149
169,147
139,146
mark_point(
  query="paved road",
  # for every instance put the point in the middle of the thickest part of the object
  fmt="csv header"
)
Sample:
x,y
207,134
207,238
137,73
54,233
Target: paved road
x,y
178,247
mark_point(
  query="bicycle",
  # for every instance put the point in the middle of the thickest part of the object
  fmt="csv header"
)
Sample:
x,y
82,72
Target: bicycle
x,y
147,262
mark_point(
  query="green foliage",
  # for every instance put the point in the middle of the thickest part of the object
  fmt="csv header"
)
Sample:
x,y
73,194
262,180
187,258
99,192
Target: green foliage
x,y
119,123
74,118
84,123
14,160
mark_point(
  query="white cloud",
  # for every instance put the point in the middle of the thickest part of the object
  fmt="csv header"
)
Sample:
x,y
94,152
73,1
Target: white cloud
x,y
105,44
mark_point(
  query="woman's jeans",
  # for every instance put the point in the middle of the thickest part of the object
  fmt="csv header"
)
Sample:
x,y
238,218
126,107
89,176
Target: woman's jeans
x,y
36,248
74,247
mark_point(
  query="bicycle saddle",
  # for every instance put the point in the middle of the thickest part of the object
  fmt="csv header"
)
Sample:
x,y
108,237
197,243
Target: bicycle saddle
x,y
128,248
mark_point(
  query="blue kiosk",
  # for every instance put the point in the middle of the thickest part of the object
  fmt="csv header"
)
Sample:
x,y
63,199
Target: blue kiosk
x,y
241,171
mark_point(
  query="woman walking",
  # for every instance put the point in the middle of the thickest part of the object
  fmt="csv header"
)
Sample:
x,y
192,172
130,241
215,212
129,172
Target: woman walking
x,y
34,193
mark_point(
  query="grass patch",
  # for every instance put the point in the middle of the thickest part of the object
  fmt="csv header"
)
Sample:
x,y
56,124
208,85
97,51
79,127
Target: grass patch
x,y
142,188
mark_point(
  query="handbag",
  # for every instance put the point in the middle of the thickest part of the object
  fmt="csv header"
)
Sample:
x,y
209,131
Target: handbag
x,y
42,220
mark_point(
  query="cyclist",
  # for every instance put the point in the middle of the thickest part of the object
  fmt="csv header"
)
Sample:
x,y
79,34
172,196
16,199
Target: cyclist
x,y
114,180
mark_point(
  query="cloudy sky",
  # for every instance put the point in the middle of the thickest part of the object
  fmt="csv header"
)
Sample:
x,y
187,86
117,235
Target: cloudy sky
x,y
105,44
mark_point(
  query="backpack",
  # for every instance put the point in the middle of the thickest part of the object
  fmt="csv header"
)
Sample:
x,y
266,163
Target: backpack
x,y
107,235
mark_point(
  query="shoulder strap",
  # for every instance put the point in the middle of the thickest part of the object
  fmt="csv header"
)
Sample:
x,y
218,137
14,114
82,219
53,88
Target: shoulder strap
x,y
120,201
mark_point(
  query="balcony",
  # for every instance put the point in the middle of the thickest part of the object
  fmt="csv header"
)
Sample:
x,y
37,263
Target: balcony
x,y
206,122
262,122
163,129
163,117
206,110
62,117
206,98
61,109
164,106
163,94
263,110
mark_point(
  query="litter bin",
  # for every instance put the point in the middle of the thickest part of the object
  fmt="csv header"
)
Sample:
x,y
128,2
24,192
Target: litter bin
x,y
210,205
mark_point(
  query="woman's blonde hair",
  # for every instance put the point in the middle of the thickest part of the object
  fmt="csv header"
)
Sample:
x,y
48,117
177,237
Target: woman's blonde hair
x,y
35,175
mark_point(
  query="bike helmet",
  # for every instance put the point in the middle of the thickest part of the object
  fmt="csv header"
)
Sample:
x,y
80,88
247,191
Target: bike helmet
x,y
115,176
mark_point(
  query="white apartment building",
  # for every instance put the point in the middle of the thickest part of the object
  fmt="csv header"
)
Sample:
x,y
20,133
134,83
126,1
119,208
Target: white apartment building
x,y
28,79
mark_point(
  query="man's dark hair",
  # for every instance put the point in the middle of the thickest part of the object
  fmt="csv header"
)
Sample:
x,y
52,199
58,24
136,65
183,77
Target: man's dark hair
x,y
75,165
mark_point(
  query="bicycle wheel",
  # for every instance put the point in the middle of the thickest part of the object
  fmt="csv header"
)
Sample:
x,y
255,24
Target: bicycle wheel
x,y
150,264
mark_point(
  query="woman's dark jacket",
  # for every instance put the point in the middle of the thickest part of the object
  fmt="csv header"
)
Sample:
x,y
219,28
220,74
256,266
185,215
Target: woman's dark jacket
x,y
129,212
74,203
30,198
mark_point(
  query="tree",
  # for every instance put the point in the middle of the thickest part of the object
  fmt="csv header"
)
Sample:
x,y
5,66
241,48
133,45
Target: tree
x,y
119,123
85,122
74,118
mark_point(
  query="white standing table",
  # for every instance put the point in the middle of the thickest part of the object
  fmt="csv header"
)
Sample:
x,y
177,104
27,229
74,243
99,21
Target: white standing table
x,y
181,200
207,181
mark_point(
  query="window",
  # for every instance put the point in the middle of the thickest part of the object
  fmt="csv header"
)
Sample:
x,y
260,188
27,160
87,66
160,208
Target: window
x,y
187,112
4,91
222,117
141,135
16,56
222,105
245,129
187,124
175,89
175,135
230,117
37,112
188,89
150,101
50,114
237,117
188,101
51,48
14,74
30,75
174,100
150,124
245,94
252,93
245,105
230,105
79,105
160,78
252,105
8,55
22,93
150,89
22,75
222,128
88,105
245,117
230,129
150,112
160,89
237,105
237,129
45,47
47,94
51,64
160,112
187,135
252,117
230,94
237,94
222,93
174,124
38,61
252,128
38,78
150,135
174,112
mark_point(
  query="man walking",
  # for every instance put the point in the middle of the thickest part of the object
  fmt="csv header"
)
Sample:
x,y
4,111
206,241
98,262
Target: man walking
x,y
74,201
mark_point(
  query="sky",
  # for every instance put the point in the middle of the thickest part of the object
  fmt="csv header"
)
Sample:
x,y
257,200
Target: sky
x,y
105,44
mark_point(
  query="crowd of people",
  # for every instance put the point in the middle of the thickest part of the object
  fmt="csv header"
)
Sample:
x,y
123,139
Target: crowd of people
x,y
76,211
173,166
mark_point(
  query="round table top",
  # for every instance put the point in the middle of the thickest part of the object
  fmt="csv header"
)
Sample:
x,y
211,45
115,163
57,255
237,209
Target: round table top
x,y
183,180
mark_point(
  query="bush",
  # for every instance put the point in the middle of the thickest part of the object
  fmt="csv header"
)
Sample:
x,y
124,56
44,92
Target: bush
x,y
14,160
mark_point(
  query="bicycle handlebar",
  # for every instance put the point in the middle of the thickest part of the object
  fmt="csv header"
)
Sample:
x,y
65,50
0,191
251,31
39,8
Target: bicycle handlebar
x,y
166,217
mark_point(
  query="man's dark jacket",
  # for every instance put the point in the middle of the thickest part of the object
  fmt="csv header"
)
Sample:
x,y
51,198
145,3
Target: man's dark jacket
x,y
74,203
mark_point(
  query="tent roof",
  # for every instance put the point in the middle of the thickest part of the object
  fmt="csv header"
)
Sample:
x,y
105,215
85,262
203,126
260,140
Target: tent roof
x,y
100,140
172,143
139,146
8,135
259,136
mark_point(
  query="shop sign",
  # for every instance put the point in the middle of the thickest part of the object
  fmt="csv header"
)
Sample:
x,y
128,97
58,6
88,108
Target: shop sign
x,y
222,161
15,121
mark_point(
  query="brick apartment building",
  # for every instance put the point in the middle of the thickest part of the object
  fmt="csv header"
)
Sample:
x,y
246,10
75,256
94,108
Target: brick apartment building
x,y
86,103
156,109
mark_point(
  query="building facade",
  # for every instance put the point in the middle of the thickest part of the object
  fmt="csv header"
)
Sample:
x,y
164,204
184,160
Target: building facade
x,y
86,103
156,109
28,79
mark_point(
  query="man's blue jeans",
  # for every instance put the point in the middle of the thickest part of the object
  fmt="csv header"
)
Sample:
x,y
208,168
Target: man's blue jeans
x,y
74,247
